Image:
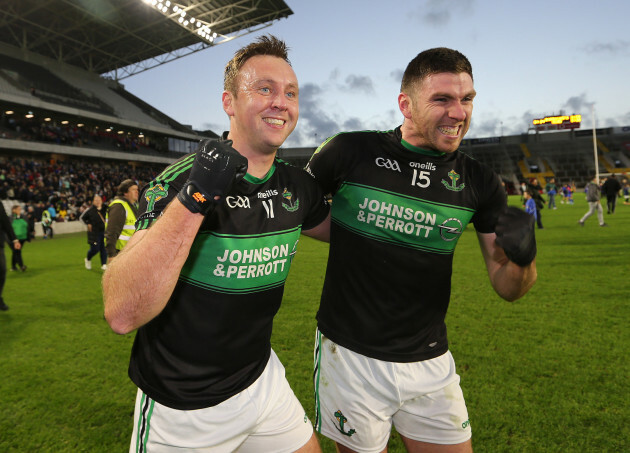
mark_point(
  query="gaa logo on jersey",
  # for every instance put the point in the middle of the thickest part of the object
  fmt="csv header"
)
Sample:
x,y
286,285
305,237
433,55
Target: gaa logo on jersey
x,y
450,229
389,164
237,202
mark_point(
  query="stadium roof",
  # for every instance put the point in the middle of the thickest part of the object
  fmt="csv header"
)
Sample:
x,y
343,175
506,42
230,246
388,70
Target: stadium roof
x,y
125,37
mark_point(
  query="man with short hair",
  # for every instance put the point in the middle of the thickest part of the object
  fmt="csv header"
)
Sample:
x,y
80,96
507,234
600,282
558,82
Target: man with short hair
x,y
592,191
401,200
121,218
204,274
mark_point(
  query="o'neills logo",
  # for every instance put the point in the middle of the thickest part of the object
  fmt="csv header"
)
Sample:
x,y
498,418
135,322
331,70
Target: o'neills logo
x,y
268,193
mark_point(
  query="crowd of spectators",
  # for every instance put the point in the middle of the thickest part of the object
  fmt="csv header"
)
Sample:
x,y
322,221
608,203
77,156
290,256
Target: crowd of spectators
x,y
33,129
68,185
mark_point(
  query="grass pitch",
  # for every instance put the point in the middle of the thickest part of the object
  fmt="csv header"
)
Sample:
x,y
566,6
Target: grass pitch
x,y
548,373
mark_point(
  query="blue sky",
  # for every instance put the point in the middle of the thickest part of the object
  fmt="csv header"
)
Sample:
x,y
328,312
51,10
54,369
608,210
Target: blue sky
x,y
530,59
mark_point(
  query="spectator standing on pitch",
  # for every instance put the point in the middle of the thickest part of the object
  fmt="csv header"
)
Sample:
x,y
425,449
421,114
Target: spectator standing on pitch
x,y
625,190
401,200
551,190
203,276
31,219
530,204
6,231
534,189
121,218
94,218
47,222
610,189
592,191
20,227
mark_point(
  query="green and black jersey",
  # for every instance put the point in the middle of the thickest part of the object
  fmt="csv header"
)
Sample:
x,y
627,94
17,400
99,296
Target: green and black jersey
x,y
212,340
397,213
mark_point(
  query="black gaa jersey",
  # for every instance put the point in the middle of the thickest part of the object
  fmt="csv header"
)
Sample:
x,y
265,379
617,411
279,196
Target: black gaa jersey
x,y
212,340
397,213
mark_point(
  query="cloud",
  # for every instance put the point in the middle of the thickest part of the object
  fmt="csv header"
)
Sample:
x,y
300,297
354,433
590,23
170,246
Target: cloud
x,y
618,47
487,127
577,104
396,75
438,13
360,83
315,124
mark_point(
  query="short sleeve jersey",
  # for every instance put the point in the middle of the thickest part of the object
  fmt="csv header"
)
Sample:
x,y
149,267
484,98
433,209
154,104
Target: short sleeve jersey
x,y
397,214
213,338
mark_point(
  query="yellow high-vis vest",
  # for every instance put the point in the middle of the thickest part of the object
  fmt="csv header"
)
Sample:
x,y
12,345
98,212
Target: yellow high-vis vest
x,y
130,224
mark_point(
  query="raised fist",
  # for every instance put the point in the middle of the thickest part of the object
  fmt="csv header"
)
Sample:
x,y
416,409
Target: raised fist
x,y
515,235
217,167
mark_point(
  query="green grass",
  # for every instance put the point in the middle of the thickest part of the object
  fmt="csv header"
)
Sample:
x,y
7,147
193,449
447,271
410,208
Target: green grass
x,y
548,373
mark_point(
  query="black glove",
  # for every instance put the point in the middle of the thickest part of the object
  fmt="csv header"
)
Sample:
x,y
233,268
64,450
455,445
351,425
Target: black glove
x,y
216,168
515,235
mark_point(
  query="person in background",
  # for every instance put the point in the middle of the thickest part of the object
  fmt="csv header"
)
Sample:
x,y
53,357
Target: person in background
x,y
534,190
47,222
625,189
610,189
551,190
31,219
530,204
94,218
20,227
121,218
592,190
6,231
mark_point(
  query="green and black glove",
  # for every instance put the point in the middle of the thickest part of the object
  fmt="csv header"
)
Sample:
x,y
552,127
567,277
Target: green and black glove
x,y
515,235
217,167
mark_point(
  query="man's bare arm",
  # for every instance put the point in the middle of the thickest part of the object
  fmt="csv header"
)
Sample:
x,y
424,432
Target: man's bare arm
x,y
509,280
135,288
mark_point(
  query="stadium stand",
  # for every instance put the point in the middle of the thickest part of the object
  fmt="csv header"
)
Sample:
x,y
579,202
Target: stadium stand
x,y
68,127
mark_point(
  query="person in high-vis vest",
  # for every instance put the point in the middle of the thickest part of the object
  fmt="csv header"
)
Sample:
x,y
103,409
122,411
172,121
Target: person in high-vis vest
x,y
121,217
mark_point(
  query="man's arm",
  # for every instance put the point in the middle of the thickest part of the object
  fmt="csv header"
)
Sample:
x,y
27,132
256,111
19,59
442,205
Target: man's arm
x,y
509,280
135,290
139,282
321,231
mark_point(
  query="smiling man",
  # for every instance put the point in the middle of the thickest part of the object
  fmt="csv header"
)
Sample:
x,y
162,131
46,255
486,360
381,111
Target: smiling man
x,y
203,276
401,200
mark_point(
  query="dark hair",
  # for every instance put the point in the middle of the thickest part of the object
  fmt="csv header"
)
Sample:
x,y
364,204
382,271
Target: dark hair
x,y
124,186
265,45
434,61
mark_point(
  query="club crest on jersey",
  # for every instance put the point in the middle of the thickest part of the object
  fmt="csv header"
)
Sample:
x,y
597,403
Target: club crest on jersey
x,y
389,164
453,184
155,194
450,229
287,201
341,419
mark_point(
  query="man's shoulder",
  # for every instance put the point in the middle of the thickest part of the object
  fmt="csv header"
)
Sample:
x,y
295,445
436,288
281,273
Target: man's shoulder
x,y
293,172
357,137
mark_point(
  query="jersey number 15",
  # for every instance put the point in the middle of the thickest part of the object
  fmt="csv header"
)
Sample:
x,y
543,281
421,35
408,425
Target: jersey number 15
x,y
420,179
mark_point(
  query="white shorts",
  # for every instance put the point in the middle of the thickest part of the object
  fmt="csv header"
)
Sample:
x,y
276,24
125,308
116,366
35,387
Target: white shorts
x,y
359,398
266,416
